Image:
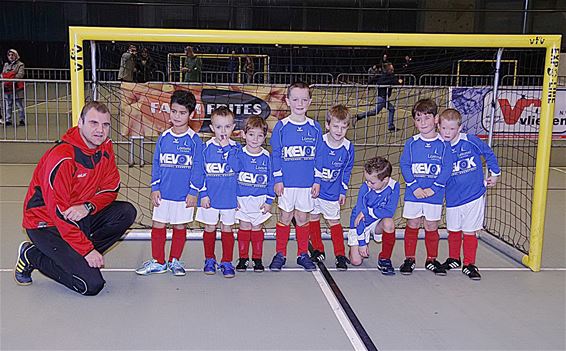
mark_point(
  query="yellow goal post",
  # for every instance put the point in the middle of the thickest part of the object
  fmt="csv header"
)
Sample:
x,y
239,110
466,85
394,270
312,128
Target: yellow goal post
x,y
551,43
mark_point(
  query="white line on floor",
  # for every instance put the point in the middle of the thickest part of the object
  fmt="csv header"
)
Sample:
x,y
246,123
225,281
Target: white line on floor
x,y
339,312
558,169
360,269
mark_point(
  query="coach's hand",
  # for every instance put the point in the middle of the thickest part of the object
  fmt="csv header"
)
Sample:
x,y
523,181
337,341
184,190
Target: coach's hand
x,y
75,213
94,259
278,188
315,190
265,208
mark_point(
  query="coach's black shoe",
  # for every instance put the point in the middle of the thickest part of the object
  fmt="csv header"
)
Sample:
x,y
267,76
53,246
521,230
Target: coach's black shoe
x,y
392,129
408,266
242,265
342,263
22,123
435,267
23,269
258,265
472,272
451,263
318,256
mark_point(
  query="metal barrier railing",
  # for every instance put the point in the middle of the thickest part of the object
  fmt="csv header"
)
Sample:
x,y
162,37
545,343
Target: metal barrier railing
x,y
454,80
290,77
103,74
366,78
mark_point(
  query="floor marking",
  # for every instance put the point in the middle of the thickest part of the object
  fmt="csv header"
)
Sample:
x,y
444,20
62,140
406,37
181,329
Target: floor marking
x,y
492,269
347,326
558,169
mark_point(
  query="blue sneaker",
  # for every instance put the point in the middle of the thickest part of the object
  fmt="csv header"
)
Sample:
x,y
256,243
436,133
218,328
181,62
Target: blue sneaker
x,y
210,266
152,267
385,266
278,262
176,267
22,272
305,261
227,269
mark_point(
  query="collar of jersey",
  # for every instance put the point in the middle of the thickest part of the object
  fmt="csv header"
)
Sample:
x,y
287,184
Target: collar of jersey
x,y
325,138
189,132
245,149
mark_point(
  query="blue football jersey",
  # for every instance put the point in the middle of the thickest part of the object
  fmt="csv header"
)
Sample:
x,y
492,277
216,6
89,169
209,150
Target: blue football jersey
x,y
254,172
333,168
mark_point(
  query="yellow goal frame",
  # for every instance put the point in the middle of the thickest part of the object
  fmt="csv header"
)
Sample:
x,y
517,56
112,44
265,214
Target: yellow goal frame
x,y
77,36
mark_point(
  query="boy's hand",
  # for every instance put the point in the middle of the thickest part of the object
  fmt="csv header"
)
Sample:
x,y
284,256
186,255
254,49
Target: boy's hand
x,y
265,208
429,192
278,188
223,140
364,251
315,190
491,181
419,193
190,201
205,202
156,198
359,218
342,200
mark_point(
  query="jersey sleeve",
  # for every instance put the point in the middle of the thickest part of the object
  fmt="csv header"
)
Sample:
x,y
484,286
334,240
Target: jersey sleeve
x,y
156,168
276,153
347,173
201,173
196,181
318,164
446,171
406,167
488,154
270,183
388,211
356,211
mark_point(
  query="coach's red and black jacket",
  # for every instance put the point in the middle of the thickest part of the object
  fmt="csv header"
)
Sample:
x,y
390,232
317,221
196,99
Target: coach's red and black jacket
x,y
71,174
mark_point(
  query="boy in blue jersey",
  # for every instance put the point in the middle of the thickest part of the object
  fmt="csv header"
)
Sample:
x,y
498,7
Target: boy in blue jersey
x,y
217,198
373,214
426,165
294,142
255,192
465,191
175,180
333,167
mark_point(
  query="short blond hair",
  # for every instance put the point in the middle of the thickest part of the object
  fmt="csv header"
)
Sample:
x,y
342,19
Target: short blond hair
x,y
451,114
340,112
222,111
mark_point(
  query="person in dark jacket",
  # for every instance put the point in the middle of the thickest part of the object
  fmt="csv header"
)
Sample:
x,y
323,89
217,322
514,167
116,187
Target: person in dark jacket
x,y
13,90
145,67
70,211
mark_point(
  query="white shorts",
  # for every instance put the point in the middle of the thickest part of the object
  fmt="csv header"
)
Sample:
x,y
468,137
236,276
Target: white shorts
x,y
211,215
250,210
467,217
431,212
173,212
353,235
328,209
296,199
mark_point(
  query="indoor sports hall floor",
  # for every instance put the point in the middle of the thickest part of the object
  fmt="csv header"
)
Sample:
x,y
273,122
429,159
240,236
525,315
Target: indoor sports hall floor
x,y
511,308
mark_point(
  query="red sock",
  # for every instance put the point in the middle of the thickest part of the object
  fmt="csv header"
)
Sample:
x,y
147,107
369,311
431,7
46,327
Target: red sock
x,y
387,245
244,237
470,249
316,236
158,236
282,233
209,238
454,244
431,243
257,244
177,243
411,237
302,239
227,246
337,235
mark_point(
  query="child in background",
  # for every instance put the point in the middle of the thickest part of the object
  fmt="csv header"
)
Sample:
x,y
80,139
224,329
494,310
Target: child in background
x,y
373,214
465,191
426,165
175,180
333,167
255,192
217,198
294,142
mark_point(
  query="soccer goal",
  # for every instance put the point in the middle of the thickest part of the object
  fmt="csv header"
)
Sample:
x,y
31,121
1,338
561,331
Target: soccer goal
x,y
516,119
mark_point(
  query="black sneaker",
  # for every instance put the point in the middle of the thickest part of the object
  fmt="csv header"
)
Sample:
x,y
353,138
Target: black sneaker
x,y
436,267
408,266
451,263
22,123
472,272
23,269
318,256
392,129
8,123
242,265
342,263
258,265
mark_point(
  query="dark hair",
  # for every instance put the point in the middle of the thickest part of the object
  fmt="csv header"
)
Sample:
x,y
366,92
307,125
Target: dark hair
x,y
97,105
379,165
222,111
184,98
426,106
256,121
300,85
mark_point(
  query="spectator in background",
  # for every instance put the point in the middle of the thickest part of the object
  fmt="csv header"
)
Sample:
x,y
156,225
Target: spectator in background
x,y
385,81
145,67
13,91
232,66
249,68
193,66
128,64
